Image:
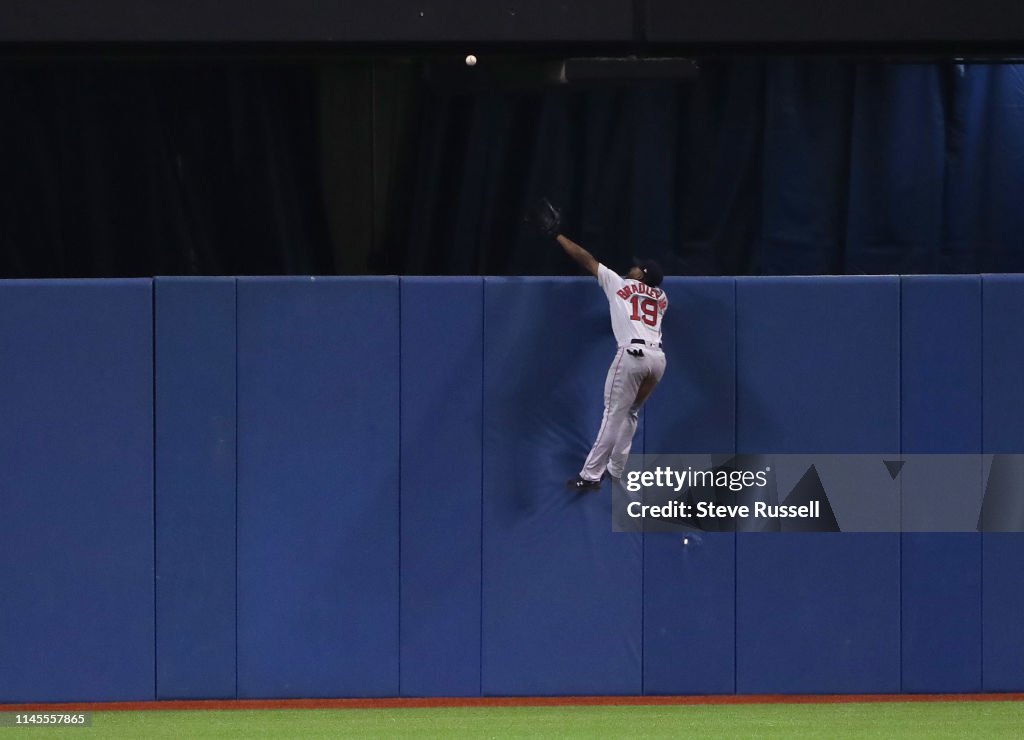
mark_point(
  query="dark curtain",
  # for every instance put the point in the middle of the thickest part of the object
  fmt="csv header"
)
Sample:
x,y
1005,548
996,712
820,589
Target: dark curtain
x,y
135,167
131,169
779,167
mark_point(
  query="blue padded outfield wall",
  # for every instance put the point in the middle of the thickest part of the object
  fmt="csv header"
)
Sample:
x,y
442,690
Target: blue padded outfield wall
x,y
689,594
440,501
195,487
299,487
318,487
817,370
941,392
76,491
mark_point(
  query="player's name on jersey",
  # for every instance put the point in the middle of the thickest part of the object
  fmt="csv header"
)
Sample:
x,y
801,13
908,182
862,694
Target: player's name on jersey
x,y
710,510
635,287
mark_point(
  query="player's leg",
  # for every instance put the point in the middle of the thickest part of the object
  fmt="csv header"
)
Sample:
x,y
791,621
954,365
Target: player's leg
x,y
620,389
649,384
620,450
623,442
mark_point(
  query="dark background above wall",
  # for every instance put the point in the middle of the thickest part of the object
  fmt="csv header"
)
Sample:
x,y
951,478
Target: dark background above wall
x,y
348,138
138,167
512,23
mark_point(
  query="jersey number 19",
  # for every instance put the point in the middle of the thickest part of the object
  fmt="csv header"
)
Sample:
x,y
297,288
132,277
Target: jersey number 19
x,y
645,310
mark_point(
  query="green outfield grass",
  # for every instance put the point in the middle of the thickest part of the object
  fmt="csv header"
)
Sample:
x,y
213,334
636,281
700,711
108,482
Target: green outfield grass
x,y
881,720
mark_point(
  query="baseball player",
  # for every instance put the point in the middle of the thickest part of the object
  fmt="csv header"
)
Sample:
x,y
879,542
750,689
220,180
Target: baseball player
x,y
637,305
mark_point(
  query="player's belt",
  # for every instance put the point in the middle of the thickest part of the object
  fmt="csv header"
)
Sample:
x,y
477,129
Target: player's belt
x,y
645,342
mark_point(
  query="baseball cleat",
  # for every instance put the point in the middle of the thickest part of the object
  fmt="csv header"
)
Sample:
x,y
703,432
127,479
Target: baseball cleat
x,y
580,483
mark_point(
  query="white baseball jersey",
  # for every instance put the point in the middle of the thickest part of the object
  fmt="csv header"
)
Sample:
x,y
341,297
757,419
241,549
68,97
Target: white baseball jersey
x,y
636,308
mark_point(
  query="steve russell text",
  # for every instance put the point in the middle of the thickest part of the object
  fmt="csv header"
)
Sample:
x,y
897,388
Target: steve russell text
x,y
708,510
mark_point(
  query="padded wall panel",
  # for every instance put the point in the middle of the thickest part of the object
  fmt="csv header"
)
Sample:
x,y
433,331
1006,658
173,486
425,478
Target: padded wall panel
x,y
941,413
817,364
195,487
1003,432
442,402
941,628
817,613
1002,607
318,496
1003,363
76,491
941,373
693,409
817,371
561,592
689,591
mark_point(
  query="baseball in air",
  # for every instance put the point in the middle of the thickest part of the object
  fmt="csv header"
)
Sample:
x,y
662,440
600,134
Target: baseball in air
x,y
471,61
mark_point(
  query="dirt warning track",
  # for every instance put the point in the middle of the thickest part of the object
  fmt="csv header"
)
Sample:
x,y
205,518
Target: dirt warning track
x,y
499,701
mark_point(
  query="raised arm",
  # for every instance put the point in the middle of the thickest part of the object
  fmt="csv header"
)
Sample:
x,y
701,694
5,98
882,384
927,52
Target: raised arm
x,y
578,253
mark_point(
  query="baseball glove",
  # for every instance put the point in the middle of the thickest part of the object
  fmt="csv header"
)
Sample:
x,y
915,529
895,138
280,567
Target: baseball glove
x,y
545,217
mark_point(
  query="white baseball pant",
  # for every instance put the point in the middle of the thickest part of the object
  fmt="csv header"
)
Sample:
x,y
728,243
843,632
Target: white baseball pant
x,y
630,381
